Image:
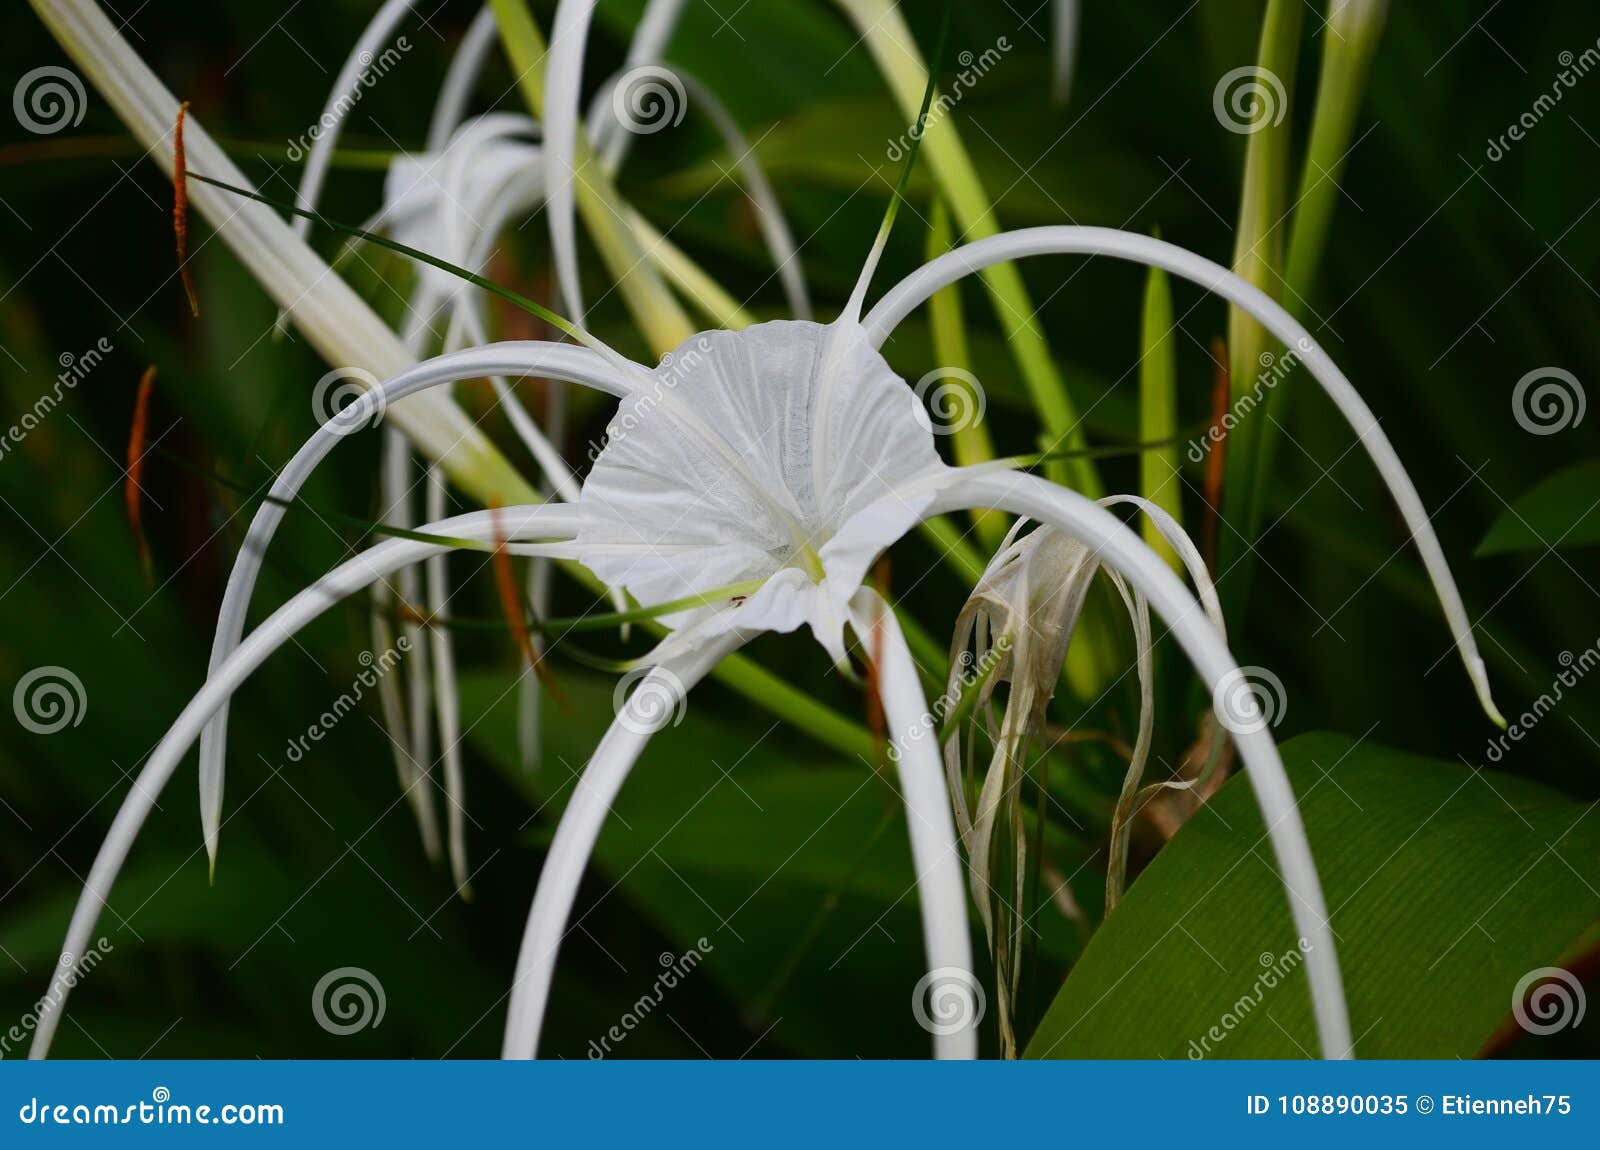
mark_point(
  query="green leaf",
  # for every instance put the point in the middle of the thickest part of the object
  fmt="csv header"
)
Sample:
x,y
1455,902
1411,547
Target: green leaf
x,y
1447,885
1562,512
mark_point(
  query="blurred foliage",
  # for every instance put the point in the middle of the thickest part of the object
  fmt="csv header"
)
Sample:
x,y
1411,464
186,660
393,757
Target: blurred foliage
x,y
1448,277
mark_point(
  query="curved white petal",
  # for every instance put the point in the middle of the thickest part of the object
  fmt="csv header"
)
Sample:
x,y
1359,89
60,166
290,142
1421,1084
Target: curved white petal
x,y
562,78
446,700
770,219
649,45
592,796
540,521
450,108
372,38
910,293
564,361
395,510
1120,549
941,891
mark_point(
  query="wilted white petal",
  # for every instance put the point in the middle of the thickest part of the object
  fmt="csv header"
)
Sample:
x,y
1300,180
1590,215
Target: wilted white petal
x,y
1116,547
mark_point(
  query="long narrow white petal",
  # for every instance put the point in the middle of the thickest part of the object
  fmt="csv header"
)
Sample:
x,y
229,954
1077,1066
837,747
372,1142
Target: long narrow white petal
x,y
446,700
1063,48
562,360
450,108
372,37
936,860
649,45
910,293
770,218
376,563
596,789
562,78
1121,549
408,733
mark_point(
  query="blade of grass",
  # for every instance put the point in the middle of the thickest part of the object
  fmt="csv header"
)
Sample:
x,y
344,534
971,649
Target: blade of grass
x,y
970,443
1158,417
1258,257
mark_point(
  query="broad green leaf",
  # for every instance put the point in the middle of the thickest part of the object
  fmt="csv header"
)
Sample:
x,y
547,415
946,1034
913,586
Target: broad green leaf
x,y
1447,884
1562,512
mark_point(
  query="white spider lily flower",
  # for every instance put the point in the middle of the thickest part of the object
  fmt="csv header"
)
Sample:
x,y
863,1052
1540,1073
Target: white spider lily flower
x,y
791,454
766,460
